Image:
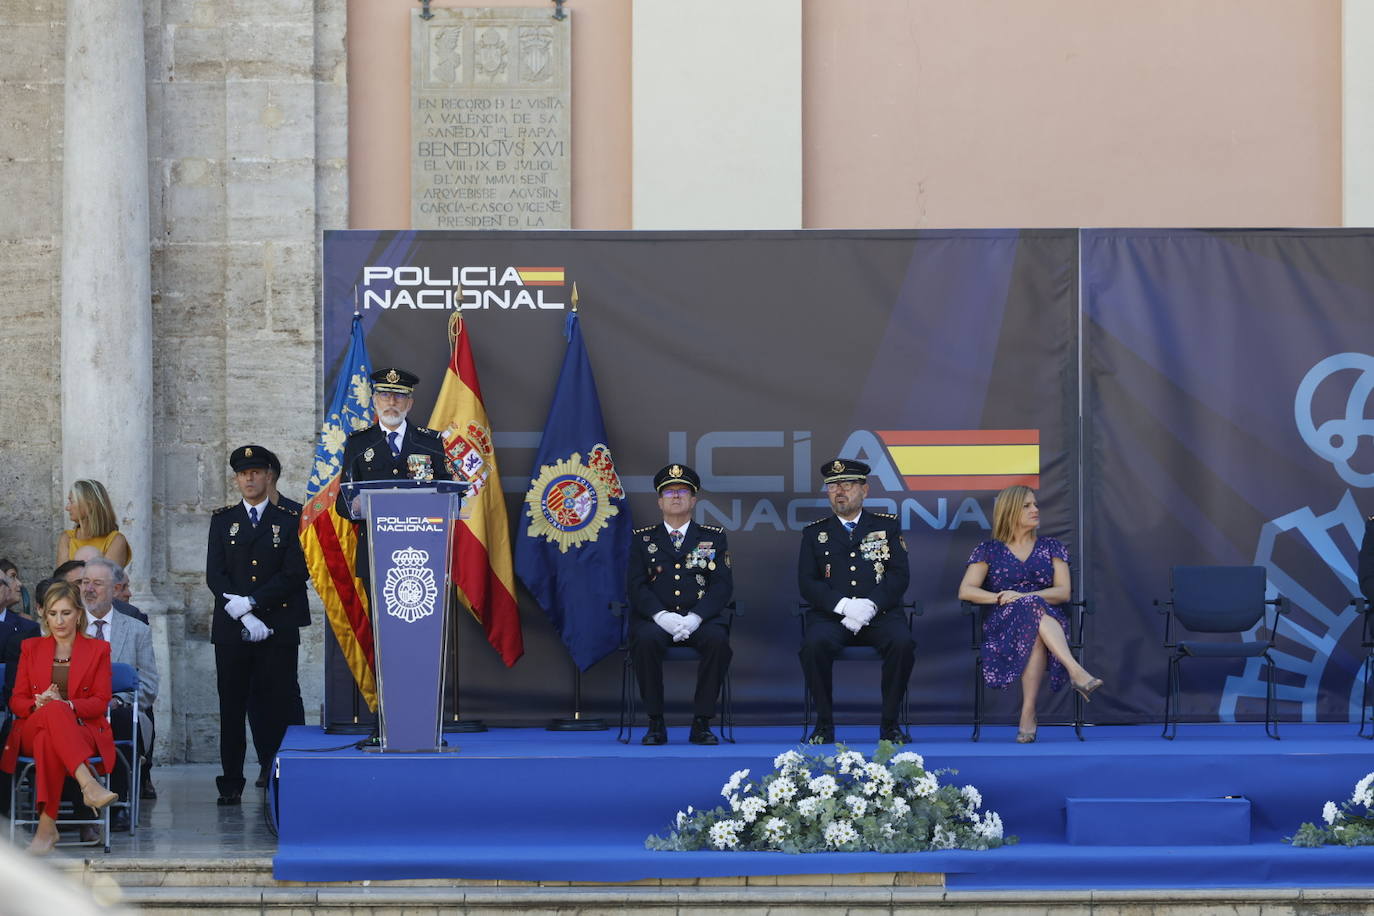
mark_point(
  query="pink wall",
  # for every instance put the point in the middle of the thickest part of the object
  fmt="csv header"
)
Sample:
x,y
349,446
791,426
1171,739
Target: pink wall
x,y
379,111
1071,113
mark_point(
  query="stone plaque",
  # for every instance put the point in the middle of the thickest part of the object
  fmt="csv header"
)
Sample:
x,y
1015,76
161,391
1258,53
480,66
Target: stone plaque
x,y
490,123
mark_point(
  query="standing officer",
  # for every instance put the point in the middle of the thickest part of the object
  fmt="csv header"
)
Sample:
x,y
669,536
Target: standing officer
x,y
390,449
679,583
853,572
255,568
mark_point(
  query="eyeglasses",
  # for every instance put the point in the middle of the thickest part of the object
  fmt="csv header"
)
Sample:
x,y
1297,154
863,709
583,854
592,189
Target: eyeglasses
x,y
390,396
842,485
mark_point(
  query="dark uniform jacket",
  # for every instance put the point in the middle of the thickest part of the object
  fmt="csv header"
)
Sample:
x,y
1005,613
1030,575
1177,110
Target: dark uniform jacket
x,y
263,563
1366,567
872,564
367,457
14,629
697,579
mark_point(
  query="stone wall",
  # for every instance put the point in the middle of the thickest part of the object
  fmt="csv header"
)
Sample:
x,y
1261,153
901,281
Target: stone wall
x,y
247,123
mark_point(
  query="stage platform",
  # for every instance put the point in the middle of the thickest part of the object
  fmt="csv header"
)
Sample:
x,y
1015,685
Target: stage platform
x,y
532,805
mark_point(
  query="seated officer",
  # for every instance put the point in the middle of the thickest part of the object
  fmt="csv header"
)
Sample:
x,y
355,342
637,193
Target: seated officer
x,y
679,584
853,572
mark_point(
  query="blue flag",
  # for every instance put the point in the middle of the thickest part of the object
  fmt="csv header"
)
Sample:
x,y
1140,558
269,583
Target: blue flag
x,y
572,550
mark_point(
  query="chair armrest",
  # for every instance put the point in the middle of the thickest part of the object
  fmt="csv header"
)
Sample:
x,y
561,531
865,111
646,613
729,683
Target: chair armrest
x,y
915,608
1166,607
619,608
975,617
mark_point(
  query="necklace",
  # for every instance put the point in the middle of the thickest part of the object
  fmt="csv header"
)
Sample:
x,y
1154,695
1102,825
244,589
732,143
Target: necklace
x,y
61,661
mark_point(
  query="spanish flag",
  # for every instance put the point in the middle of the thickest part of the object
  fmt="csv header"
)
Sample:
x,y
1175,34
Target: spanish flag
x,y
965,459
481,542
328,540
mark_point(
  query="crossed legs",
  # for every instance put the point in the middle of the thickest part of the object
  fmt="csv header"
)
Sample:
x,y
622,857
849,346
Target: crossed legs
x,y
1049,640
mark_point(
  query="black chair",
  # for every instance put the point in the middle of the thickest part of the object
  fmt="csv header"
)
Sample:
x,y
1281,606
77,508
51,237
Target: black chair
x,y
912,609
1218,599
629,686
1078,613
1366,610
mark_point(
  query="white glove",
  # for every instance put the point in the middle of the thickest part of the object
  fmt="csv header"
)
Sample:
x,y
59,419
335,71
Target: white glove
x,y
842,606
670,622
862,609
257,630
852,624
692,621
237,605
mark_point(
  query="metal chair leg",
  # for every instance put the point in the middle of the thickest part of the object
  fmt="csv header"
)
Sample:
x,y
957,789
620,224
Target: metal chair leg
x,y
627,716
1364,696
977,696
1170,685
1269,703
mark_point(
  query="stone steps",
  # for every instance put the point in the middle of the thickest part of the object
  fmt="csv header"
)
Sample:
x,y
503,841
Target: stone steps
x,y
169,886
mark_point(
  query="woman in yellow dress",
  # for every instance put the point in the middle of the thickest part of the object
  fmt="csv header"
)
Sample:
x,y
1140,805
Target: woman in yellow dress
x,y
95,525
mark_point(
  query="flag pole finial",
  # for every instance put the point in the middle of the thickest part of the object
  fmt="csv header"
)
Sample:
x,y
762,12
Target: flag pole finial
x,y
574,296
455,321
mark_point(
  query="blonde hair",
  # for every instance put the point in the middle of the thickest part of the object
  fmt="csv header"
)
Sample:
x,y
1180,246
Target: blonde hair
x,y
97,515
56,592
1007,509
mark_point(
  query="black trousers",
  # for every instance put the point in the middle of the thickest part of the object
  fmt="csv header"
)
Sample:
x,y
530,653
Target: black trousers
x,y
258,683
649,643
826,636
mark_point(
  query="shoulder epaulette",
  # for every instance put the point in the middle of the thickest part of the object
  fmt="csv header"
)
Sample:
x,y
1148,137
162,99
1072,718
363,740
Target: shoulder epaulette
x,y
287,509
645,530
886,515
359,432
715,528
818,521
224,508
425,430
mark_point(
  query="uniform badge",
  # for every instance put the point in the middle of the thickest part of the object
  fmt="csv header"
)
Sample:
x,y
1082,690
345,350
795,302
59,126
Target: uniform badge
x,y
276,535
700,595
701,580
234,529
653,548
827,570
822,537
878,569
367,455
837,466
393,377
248,452
675,471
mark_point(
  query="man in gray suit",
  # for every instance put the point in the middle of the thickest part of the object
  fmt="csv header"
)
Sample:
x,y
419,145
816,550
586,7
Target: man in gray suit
x,y
131,643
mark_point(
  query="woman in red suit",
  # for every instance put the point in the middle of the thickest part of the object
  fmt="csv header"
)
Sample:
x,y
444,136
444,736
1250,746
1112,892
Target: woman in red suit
x,y
60,695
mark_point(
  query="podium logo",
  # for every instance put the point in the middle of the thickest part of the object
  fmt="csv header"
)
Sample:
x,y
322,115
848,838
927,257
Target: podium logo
x,y
508,288
409,591
410,524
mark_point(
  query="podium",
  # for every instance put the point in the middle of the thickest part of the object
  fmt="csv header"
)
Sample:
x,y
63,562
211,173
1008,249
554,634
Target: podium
x,y
409,527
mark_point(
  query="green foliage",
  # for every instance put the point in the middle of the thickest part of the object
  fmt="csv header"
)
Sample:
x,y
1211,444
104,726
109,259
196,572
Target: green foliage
x,y
841,802
1351,823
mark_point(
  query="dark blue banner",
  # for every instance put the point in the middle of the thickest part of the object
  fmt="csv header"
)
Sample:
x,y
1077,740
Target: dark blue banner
x,y
1227,423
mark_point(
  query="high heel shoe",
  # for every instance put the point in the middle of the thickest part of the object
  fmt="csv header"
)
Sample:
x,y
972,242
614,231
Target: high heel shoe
x,y
1085,689
1025,737
96,796
42,845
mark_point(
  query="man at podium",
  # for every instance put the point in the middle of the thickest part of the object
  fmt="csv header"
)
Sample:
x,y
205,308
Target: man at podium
x,y
391,448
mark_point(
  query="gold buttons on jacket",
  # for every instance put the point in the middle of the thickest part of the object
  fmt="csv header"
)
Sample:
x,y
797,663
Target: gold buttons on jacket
x,y
255,562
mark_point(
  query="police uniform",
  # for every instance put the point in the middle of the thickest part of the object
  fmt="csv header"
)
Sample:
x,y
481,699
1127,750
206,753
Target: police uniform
x,y
263,563
367,456
694,577
871,562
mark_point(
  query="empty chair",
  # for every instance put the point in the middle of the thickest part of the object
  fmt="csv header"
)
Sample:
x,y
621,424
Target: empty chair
x,y
1218,600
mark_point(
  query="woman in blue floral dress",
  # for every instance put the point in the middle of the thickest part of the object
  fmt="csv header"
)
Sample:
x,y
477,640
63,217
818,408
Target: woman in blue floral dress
x,y
1027,577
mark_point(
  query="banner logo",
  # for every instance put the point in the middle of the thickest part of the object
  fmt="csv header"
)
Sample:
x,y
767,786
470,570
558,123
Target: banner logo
x,y
409,591
410,524
570,502
964,459
509,288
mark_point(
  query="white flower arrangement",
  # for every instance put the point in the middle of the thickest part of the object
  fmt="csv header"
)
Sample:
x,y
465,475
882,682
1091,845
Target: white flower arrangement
x,y
890,803
1349,824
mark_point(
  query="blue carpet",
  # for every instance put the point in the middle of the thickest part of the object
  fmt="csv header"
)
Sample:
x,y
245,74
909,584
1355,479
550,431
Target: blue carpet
x,y
528,804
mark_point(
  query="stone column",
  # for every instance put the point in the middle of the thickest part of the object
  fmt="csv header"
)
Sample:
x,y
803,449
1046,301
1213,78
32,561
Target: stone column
x,y
1357,113
107,370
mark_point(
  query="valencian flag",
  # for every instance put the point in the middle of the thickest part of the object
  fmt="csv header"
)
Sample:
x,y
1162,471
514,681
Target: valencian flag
x,y
575,537
482,566
329,540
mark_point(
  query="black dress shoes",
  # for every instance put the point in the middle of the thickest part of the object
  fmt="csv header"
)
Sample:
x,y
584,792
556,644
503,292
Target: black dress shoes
x,y
701,732
824,734
119,821
657,733
230,790
894,734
